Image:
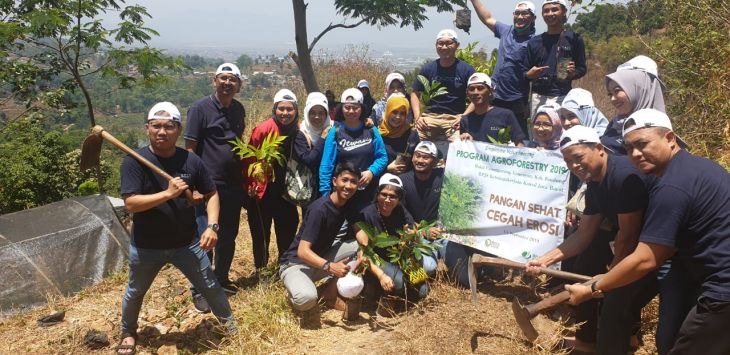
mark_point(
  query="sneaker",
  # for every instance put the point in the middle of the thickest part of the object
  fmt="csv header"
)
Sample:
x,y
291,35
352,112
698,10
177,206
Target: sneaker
x,y
200,304
229,287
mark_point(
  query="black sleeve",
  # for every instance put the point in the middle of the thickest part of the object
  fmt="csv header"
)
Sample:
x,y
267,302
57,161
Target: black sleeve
x,y
132,176
579,57
413,140
632,194
312,225
464,125
591,200
203,182
516,133
309,156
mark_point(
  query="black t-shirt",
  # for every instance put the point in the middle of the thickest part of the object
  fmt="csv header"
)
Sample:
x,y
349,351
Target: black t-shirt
x,y
624,189
391,224
613,140
689,209
404,144
171,224
422,197
489,124
320,226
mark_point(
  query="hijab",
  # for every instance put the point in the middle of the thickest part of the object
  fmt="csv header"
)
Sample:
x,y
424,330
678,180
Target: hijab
x,y
313,133
395,102
580,103
552,112
643,90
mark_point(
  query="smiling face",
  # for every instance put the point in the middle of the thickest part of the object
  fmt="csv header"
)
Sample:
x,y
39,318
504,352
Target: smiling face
x,y
345,185
317,115
285,112
446,48
226,84
478,94
542,128
423,163
395,86
522,17
586,161
553,14
387,199
352,112
650,149
568,119
619,99
397,118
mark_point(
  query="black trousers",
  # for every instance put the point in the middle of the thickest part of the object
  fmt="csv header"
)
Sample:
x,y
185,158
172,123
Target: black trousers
x,y
705,330
261,214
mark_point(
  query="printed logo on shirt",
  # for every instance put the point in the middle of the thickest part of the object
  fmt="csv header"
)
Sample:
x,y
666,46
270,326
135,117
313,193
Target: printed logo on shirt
x,y
352,145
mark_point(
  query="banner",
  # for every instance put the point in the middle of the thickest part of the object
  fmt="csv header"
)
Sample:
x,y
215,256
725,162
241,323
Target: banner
x,y
506,201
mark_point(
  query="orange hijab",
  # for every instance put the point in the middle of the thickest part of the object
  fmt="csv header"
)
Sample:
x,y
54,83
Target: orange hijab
x,y
395,102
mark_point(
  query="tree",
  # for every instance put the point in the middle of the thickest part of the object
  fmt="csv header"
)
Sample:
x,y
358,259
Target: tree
x,y
42,42
244,61
379,13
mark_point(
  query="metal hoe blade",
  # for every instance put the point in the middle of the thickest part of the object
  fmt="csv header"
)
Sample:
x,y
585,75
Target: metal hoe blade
x,y
522,316
90,151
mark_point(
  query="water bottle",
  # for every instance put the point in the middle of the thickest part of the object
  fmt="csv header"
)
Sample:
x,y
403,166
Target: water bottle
x,y
565,56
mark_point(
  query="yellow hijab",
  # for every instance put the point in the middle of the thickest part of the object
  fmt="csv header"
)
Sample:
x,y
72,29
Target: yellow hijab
x,y
395,102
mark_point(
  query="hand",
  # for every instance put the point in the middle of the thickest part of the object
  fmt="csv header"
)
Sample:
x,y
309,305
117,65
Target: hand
x,y
369,122
421,124
397,169
466,137
570,69
536,72
176,187
325,132
253,190
532,267
339,269
578,293
457,123
386,283
198,197
208,240
571,219
434,233
365,179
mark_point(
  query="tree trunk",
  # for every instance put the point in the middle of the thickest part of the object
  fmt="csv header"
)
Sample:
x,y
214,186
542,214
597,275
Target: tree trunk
x,y
303,58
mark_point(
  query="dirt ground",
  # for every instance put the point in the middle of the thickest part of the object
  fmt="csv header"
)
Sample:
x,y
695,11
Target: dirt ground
x,y
447,322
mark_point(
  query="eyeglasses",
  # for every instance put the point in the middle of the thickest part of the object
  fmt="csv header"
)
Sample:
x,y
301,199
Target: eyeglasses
x,y
543,125
387,196
522,13
227,78
445,44
169,127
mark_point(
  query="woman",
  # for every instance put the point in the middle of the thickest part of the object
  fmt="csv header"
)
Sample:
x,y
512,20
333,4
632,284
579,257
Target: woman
x,y
350,141
398,135
387,214
394,83
630,90
578,109
546,128
266,204
309,141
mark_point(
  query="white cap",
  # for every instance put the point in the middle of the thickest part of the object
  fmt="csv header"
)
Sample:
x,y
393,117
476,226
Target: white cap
x,y
390,179
480,78
578,135
351,285
447,34
285,95
394,76
174,113
427,147
354,94
228,68
561,2
363,84
640,62
525,4
648,118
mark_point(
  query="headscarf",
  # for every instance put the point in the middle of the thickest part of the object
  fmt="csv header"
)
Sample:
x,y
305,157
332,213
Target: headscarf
x,y
313,133
395,102
580,103
552,112
643,90
285,95
389,80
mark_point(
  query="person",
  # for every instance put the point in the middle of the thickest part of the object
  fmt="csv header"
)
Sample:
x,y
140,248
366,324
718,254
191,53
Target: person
x,y
578,109
511,88
546,128
688,218
314,254
212,123
398,136
367,100
351,141
422,194
616,196
453,74
394,83
630,90
267,204
164,228
486,121
332,104
309,142
387,214
552,60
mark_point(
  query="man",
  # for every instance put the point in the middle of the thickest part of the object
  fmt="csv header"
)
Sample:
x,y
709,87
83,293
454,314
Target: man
x,y
688,217
422,193
164,229
616,197
213,122
367,99
553,59
452,74
313,256
511,88
486,121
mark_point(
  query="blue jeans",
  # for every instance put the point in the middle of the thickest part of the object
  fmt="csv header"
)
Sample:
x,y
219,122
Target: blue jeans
x,y
430,262
145,264
400,282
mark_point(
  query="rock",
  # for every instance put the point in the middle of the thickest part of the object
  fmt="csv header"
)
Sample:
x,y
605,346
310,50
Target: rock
x,y
167,350
95,339
163,329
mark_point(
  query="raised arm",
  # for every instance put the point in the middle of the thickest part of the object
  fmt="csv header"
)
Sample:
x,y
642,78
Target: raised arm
x,y
484,15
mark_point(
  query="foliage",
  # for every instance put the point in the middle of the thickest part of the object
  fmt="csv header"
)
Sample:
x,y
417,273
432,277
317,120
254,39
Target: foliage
x,y
244,62
430,89
264,156
605,21
405,250
503,136
88,187
481,62
460,202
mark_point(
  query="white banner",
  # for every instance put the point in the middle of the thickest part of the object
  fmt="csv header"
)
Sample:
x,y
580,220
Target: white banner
x,y
506,201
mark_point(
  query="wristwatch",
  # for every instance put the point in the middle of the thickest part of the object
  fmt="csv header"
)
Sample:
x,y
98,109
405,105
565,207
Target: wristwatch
x,y
594,291
326,266
214,227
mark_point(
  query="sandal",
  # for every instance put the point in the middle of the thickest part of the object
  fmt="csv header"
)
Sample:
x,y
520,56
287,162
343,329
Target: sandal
x,y
127,349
